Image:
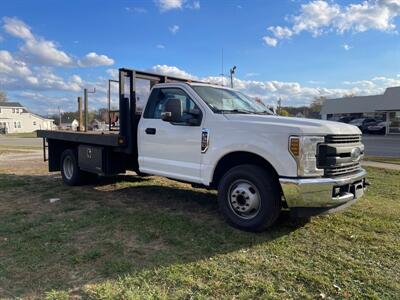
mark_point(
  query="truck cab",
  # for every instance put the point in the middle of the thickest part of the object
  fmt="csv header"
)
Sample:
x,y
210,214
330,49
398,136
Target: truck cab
x,y
219,138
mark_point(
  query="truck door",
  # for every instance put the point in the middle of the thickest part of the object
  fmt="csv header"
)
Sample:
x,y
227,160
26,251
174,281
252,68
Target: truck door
x,y
166,149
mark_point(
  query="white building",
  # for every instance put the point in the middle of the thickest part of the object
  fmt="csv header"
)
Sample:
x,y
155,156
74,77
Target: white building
x,y
384,107
16,118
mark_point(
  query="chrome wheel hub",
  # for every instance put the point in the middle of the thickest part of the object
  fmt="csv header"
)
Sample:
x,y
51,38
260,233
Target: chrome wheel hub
x,y
244,199
68,167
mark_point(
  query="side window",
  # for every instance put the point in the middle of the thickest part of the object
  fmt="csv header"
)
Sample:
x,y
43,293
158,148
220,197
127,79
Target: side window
x,y
158,98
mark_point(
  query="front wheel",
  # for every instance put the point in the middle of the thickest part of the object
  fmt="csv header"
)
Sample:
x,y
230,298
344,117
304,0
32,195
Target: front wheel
x,y
249,197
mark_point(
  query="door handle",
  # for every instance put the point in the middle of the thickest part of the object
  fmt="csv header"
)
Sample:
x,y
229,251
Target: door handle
x,y
150,130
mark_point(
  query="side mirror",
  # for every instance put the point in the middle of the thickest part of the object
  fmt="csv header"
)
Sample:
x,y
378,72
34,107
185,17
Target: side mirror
x,y
172,111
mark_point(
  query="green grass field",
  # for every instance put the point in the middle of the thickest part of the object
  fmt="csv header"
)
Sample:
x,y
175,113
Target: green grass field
x,y
389,160
135,238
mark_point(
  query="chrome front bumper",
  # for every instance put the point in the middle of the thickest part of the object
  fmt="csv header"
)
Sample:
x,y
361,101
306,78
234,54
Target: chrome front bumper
x,y
323,192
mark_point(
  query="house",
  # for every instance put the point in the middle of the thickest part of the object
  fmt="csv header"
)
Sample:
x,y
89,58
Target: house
x,y
384,107
69,126
15,118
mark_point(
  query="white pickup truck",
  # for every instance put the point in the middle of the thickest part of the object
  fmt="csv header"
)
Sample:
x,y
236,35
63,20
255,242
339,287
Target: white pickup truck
x,y
218,138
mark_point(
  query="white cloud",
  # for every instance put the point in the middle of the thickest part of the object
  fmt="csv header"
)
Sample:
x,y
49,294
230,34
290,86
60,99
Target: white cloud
x,y
172,71
385,81
17,28
36,50
281,32
39,51
48,80
45,53
174,29
93,59
319,17
347,47
165,5
16,75
113,73
11,66
361,83
314,16
160,46
270,41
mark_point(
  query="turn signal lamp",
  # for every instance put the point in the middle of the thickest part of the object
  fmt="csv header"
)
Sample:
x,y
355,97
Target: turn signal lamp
x,y
294,146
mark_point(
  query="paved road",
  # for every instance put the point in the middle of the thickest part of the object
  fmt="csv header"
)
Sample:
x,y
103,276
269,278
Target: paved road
x,y
377,145
23,142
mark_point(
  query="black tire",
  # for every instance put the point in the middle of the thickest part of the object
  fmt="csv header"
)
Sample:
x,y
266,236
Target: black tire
x,y
70,172
249,179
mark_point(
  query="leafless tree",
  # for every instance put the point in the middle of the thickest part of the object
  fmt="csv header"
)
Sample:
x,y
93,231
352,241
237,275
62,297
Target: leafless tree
x,y
317,103
3,96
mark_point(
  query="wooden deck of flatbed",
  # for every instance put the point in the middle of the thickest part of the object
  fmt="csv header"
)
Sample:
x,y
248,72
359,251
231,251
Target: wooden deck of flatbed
x,y
103,138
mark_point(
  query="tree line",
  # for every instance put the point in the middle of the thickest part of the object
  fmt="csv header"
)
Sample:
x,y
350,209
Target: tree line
x,y
312,111
67,117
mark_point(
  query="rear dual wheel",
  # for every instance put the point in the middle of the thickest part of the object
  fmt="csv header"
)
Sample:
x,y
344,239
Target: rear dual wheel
x,y
70,171
249,197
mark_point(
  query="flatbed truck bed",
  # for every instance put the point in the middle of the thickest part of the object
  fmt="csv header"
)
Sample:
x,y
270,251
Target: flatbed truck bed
x,y
102,138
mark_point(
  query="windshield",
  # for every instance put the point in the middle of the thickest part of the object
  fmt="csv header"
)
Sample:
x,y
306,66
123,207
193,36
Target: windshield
x,y
222,100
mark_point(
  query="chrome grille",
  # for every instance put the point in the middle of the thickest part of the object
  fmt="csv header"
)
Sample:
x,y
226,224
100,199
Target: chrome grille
x,y
343,139
334,155
338,171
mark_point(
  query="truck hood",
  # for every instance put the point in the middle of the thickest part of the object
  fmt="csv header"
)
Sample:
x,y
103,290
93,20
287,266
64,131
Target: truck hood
x,y
295,125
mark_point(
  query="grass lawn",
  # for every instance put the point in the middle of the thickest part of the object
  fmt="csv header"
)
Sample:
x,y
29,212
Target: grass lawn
x,y
389,160
134,238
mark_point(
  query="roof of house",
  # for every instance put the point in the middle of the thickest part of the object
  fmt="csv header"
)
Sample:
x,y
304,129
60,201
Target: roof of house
x,y
390,100
10,104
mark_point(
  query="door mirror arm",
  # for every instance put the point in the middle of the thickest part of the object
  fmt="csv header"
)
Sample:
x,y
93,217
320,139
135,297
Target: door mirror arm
x,y
166,116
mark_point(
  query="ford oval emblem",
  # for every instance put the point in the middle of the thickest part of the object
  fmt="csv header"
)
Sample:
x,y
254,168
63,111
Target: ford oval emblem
x,y
355,154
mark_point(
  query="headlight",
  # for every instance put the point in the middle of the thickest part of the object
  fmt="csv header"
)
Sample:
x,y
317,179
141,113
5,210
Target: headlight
x,y
304,149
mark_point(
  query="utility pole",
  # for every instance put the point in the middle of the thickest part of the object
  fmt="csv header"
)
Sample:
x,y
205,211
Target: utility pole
x,y
232,71
86,100
80,127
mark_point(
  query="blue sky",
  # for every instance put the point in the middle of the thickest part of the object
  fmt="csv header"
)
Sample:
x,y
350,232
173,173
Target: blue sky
x,y
294,50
